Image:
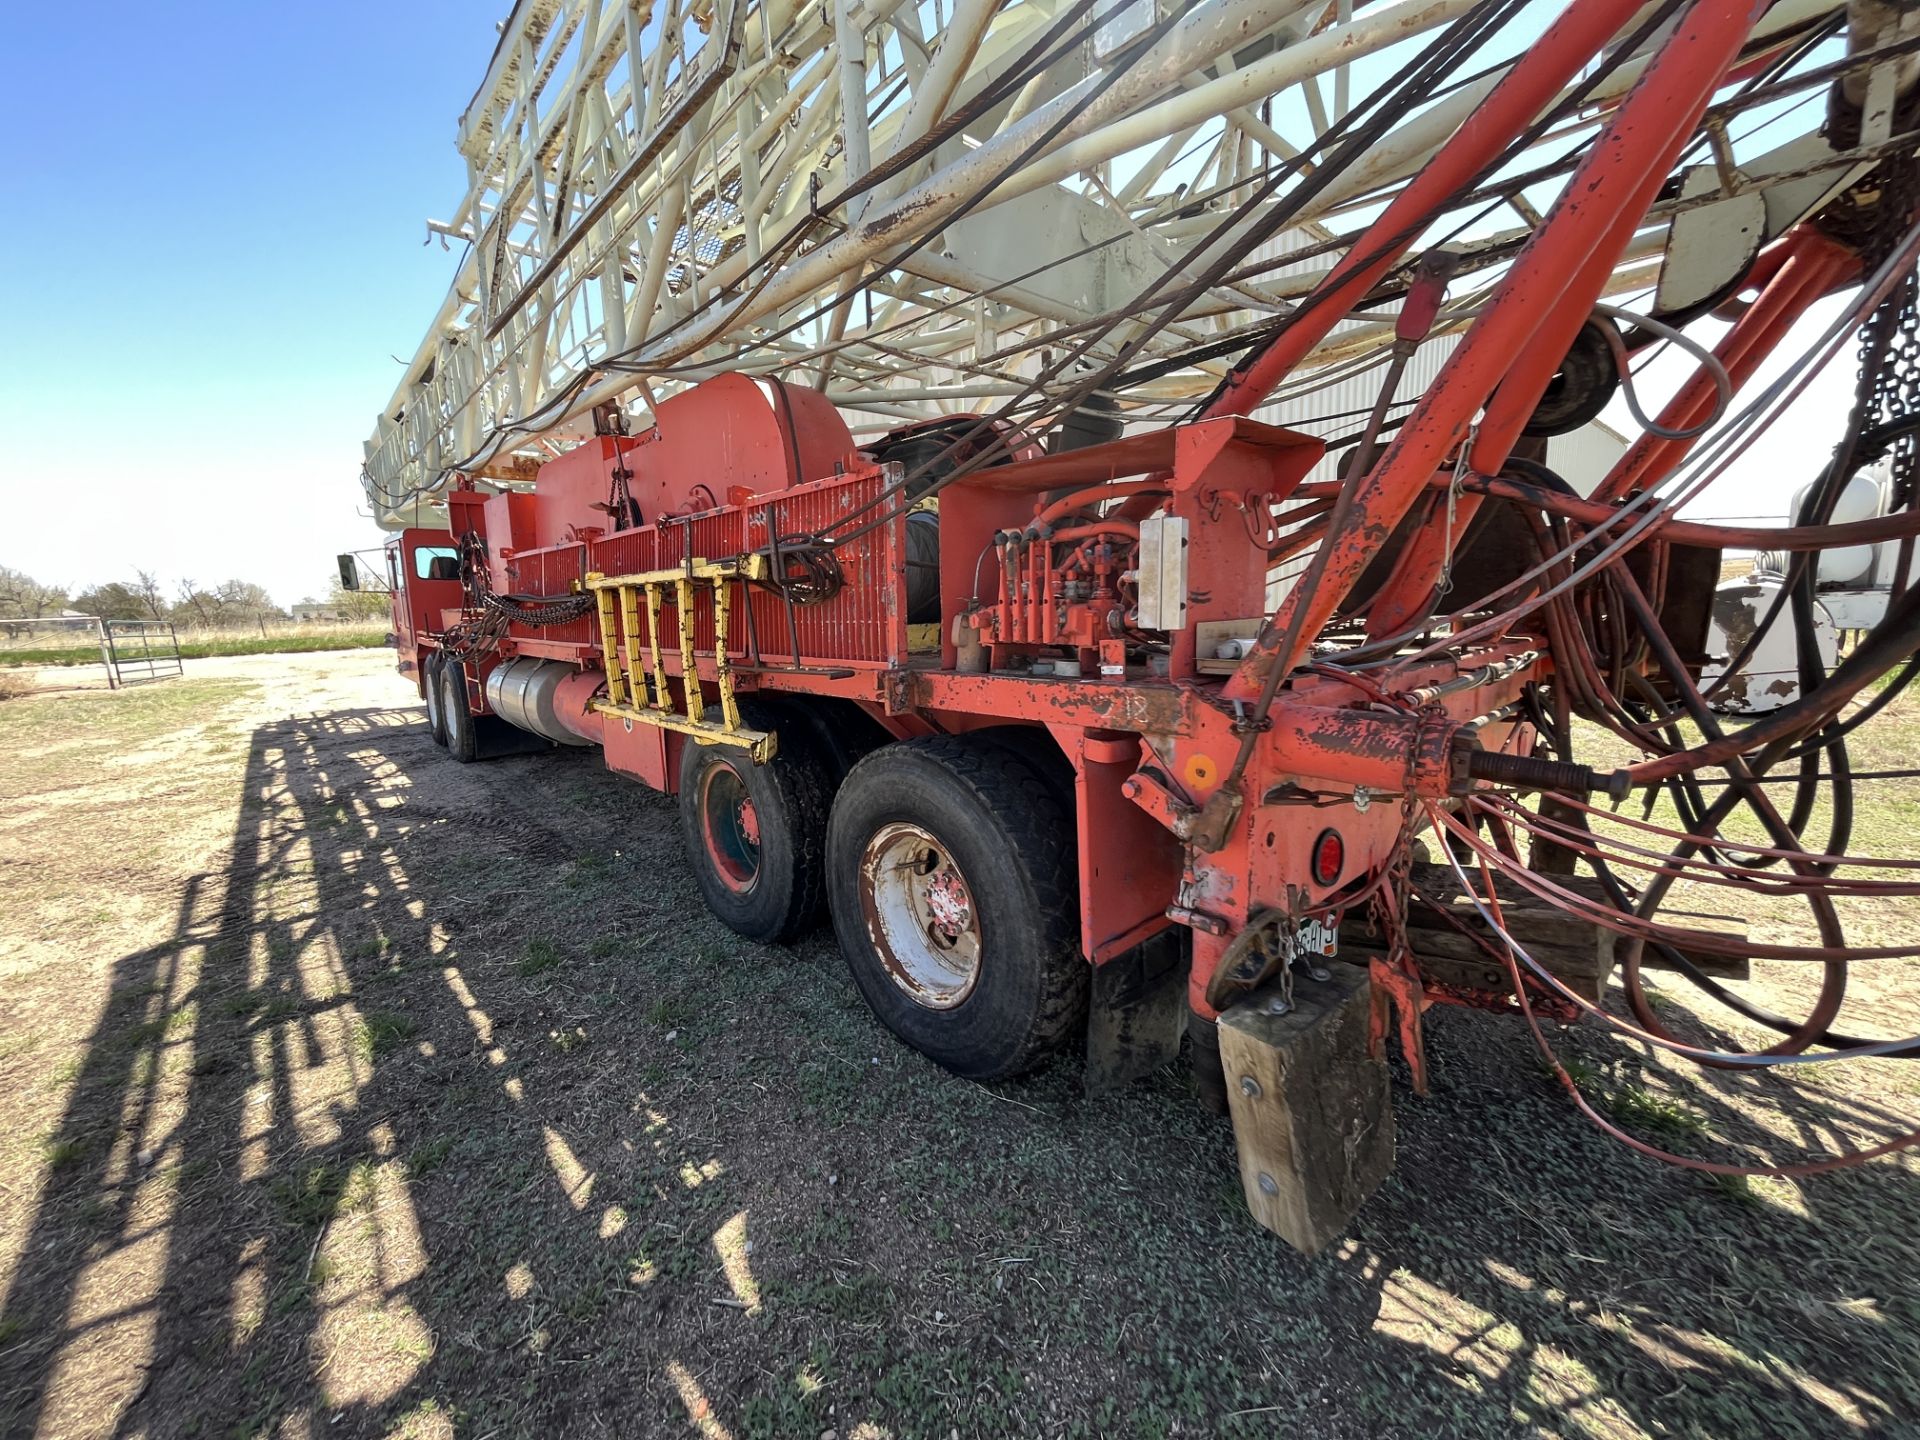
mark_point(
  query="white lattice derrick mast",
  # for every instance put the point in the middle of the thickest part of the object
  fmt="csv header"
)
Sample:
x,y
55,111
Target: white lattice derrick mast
x,y
660,192
506,334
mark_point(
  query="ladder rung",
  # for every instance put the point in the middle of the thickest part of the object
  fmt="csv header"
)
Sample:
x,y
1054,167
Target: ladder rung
x,y
629,695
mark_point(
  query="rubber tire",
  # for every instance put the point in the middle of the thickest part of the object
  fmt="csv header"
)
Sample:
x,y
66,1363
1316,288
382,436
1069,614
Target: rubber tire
x,y
998,818
1041,753
843,732
1583,384
462,739
430,678
791,794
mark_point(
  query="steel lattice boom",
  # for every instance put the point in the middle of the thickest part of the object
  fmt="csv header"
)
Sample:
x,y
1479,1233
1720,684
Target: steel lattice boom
x,y
915,204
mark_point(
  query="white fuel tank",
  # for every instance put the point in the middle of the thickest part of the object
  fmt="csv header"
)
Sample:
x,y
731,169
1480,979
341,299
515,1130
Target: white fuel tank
x,y
1864,497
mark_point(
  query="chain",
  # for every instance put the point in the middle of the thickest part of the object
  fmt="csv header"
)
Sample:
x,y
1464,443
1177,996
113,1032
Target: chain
x,y
475,634
488,615
1290,948
1888,385
561,610
622,509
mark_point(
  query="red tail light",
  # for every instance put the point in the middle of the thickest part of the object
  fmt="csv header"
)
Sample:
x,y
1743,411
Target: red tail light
x,y
1329,856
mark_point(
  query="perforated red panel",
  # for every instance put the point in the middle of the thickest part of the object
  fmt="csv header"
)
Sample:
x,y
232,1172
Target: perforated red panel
x,y
550,573
863,624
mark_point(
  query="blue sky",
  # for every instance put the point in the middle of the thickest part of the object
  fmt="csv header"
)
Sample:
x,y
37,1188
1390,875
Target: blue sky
x,y
213,250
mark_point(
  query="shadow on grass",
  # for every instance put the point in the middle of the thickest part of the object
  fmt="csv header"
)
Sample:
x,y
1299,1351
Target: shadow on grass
x,y
446,1109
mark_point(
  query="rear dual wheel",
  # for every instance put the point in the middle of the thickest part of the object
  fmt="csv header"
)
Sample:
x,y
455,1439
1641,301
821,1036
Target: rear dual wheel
x,y
756,834
951,880
456,711
430,689
948,864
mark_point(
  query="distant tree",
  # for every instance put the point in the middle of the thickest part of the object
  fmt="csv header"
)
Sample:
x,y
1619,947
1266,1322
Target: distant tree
x,y
192,603
24,598
356,604
113,601
230,603
148,585
243,600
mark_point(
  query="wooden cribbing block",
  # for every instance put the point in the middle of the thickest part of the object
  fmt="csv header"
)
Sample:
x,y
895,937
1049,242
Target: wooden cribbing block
x,y
1312,1114
1580,952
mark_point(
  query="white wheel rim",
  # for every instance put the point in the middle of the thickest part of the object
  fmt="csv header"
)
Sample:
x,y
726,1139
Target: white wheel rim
x,y
453,699
920,915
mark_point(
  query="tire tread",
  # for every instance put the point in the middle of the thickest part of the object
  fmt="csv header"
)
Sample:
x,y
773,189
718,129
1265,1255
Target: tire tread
x,y
805,781
1011,789
462,738
809,795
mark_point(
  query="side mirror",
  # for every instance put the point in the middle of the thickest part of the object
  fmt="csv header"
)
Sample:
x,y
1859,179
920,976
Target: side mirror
x,y
349,573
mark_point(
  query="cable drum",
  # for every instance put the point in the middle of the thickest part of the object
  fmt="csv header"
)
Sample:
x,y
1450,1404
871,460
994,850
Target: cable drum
x,y
923,567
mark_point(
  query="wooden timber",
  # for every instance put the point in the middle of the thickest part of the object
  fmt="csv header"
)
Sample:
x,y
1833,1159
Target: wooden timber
x,y
1579,952
1312,1114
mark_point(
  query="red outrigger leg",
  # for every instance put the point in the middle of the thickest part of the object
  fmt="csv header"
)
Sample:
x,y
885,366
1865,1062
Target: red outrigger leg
x,y
1558,270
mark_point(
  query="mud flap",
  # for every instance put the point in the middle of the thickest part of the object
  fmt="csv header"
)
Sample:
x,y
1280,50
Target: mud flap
x,y
1137,1012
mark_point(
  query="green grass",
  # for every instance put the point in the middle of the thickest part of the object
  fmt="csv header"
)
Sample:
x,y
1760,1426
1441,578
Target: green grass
x,y
668,1012
379,1033
243,1004
62,1151
174,1023
308,1196
1640,1109
542,955
428,1156
343,637
362,1183
22,1044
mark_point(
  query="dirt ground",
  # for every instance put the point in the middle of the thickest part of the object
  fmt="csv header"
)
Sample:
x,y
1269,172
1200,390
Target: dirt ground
x,y
347,1091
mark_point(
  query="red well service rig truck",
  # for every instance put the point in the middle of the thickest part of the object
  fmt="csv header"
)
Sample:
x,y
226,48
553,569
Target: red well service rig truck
x,y
1079,724
1001,761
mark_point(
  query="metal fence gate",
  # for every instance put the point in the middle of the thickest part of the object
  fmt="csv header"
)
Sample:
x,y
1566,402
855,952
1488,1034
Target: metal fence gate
x,y
136,651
